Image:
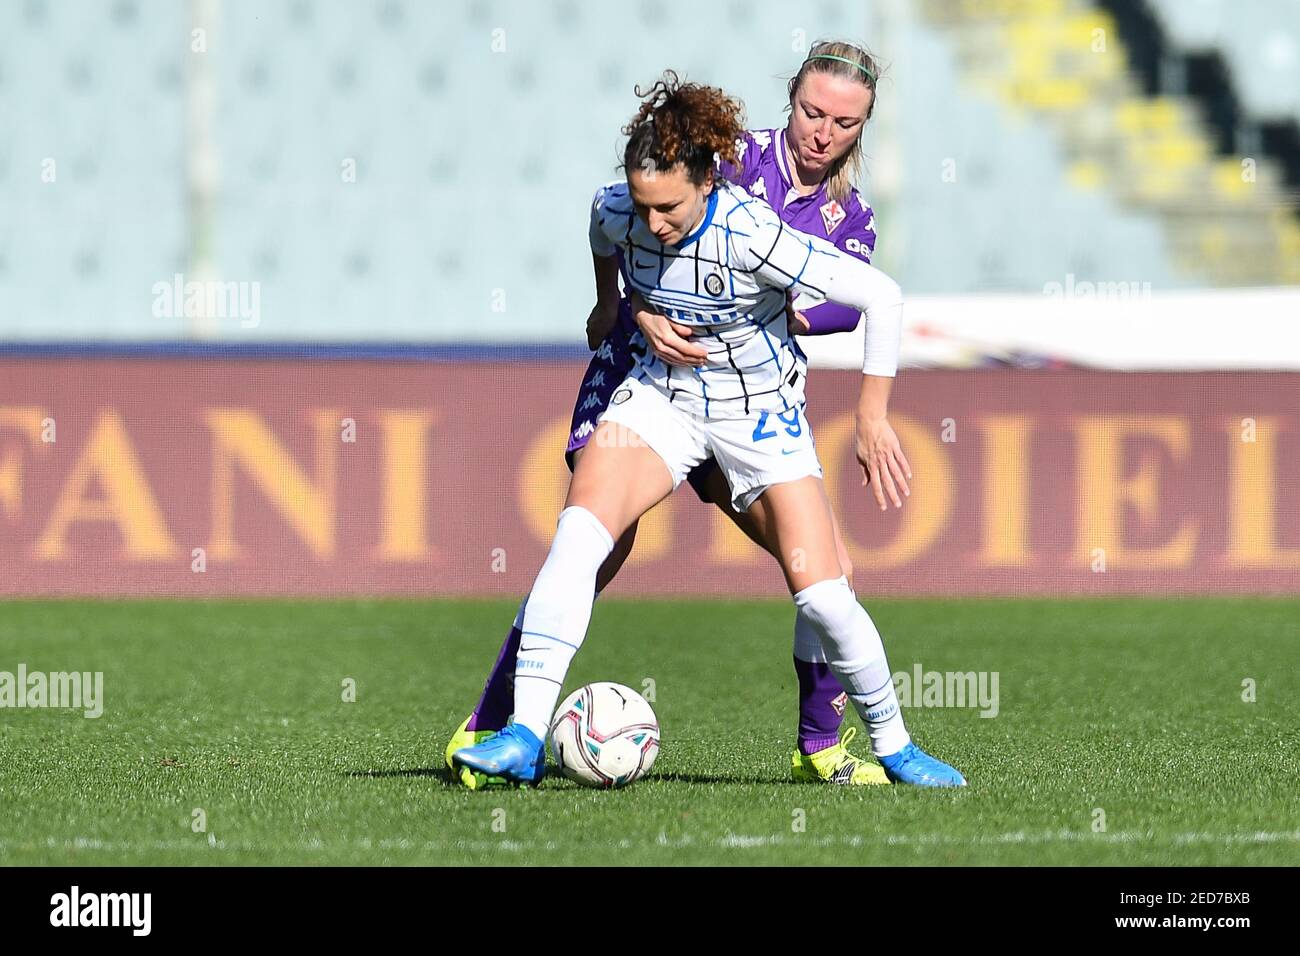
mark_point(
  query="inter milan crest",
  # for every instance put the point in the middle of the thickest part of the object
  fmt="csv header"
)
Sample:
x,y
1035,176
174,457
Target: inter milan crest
x,y
621,396
713,284
832,214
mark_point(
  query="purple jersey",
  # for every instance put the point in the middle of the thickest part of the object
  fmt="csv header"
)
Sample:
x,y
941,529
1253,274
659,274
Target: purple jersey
x,y
764,171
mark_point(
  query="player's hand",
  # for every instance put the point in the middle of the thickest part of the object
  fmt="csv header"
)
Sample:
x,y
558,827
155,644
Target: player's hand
x,y
884,466
600,323
667,338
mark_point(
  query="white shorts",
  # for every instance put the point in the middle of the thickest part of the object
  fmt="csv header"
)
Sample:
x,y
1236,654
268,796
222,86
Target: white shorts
x,y
763,449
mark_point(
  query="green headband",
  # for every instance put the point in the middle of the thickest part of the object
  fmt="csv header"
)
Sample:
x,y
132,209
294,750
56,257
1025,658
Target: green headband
x,y
831,56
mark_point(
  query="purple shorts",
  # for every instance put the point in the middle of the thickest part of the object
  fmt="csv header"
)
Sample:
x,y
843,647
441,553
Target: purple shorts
x,y
612,363
606,371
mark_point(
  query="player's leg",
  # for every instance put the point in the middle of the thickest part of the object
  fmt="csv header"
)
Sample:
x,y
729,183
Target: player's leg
x,y
495,703
617,481
711,486
821,699
606,370
773,459
620,477
611,364
806,543
618,557
819,755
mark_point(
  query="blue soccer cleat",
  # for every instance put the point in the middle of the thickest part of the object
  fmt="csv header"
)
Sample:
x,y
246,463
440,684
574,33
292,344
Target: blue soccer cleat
x,y
515,754
913,765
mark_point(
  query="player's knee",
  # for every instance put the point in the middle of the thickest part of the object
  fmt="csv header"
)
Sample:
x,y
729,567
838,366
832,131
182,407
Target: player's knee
x,y
580,538
829,604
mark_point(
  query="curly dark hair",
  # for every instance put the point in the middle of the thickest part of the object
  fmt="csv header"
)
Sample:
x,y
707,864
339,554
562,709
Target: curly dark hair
x,y
685,123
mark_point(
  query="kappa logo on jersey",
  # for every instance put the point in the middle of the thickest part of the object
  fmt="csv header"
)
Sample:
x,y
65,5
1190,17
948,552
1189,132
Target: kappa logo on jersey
x,y
597,380
713,284
833,214
583,430
621,396
605,353
839,703
593,401
858,247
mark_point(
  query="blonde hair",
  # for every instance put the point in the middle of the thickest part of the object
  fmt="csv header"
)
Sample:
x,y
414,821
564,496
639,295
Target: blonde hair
x,y
830,56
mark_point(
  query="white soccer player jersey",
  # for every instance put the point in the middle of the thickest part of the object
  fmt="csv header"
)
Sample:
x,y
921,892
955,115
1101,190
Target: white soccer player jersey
x,y
728,280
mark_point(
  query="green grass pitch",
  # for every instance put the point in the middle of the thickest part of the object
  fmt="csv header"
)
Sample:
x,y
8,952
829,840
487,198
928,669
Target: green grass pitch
x,y
232,713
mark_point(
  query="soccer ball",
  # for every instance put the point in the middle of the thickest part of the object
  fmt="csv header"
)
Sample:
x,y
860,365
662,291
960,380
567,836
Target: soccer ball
x,y
605,735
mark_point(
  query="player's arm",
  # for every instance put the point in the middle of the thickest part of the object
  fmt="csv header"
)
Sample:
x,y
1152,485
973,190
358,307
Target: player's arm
x,y
604,261
861,286
604,314
857,238
795,262
884,466
666,338
805,264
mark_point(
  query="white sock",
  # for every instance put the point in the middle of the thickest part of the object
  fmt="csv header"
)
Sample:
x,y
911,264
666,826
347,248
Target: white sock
x,y
857,656
556,615
807,642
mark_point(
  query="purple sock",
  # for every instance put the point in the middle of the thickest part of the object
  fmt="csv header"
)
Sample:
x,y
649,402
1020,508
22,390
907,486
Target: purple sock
x,y
498,698
821,706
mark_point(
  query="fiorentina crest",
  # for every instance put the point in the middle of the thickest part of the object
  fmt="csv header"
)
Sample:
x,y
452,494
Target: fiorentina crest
x,y
832,214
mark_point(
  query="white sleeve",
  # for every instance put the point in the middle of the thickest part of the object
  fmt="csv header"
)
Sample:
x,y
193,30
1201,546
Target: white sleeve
x,y
791,260
862,286
601,244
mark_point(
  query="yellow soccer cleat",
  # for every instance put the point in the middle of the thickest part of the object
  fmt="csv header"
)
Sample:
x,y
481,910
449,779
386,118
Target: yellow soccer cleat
x,y
464,737
836,765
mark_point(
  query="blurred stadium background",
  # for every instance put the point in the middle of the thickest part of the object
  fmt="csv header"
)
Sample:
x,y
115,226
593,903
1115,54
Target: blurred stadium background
x,y
1091,204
